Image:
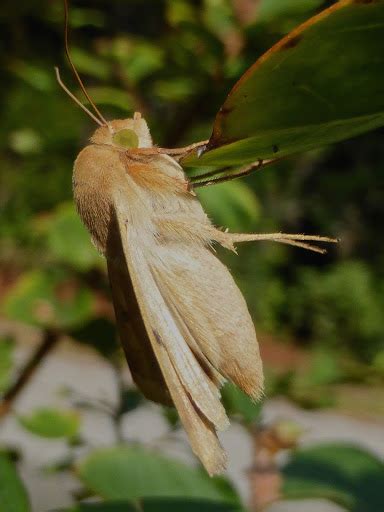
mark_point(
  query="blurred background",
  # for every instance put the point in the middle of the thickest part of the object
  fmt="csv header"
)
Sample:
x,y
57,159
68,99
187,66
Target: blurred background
x,y
319,433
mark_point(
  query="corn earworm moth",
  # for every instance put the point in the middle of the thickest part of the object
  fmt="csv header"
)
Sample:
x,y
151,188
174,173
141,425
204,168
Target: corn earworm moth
x,y
182,320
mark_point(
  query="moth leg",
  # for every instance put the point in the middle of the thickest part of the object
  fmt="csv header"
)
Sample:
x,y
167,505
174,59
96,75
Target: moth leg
x,y
229,173
207,233
297,240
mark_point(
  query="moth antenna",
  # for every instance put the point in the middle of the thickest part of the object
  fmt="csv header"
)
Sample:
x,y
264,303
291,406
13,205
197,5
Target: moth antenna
x,y
76,100
68,54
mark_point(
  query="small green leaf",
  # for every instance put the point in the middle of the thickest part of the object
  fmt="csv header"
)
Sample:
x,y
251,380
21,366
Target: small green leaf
x,y
69,241
50,298
240,405
343,473
13,496
129,473
320,84
52,423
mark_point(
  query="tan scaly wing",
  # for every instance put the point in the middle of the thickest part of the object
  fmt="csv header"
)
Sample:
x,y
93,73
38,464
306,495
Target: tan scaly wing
x,y
133,336
202,292
193,390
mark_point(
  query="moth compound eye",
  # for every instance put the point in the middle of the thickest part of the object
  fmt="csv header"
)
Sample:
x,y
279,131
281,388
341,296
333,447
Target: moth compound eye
x,y
126,139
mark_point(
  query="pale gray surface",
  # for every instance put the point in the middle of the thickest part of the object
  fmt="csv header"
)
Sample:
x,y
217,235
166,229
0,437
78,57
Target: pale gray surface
x,y
305,506
86,373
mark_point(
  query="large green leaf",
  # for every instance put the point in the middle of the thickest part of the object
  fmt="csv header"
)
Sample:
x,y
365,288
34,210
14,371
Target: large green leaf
x,y
320,84
157,505
127,473
184,505
13,497
343,473
118,506
52,423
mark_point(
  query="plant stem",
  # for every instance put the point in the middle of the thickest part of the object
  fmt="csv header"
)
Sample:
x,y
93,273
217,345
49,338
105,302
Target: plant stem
x,y
50,338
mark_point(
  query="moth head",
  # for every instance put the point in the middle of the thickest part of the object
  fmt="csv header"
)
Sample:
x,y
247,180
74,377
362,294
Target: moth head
x,y
126,134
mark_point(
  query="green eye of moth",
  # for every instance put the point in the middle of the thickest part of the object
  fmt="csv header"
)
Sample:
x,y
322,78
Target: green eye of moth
x,y
126,138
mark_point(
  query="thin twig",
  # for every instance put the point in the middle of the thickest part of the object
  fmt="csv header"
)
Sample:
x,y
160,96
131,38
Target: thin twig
x,y
50,338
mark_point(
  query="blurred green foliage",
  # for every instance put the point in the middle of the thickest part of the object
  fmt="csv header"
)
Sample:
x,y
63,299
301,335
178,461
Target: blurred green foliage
x,y
49,298
132,472
343,308
344,473
175,61
52,423
297,97
13,497
157,505
240,406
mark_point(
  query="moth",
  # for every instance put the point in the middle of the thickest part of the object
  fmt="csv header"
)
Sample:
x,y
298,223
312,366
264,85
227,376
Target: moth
x,y
183,323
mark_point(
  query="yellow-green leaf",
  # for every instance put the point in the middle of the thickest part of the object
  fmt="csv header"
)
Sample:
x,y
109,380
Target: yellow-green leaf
x,y
51,423
128,473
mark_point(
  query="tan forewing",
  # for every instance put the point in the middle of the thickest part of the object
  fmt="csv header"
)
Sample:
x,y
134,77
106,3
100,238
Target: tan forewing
x,y
141,359
193,391
166,333
203,292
